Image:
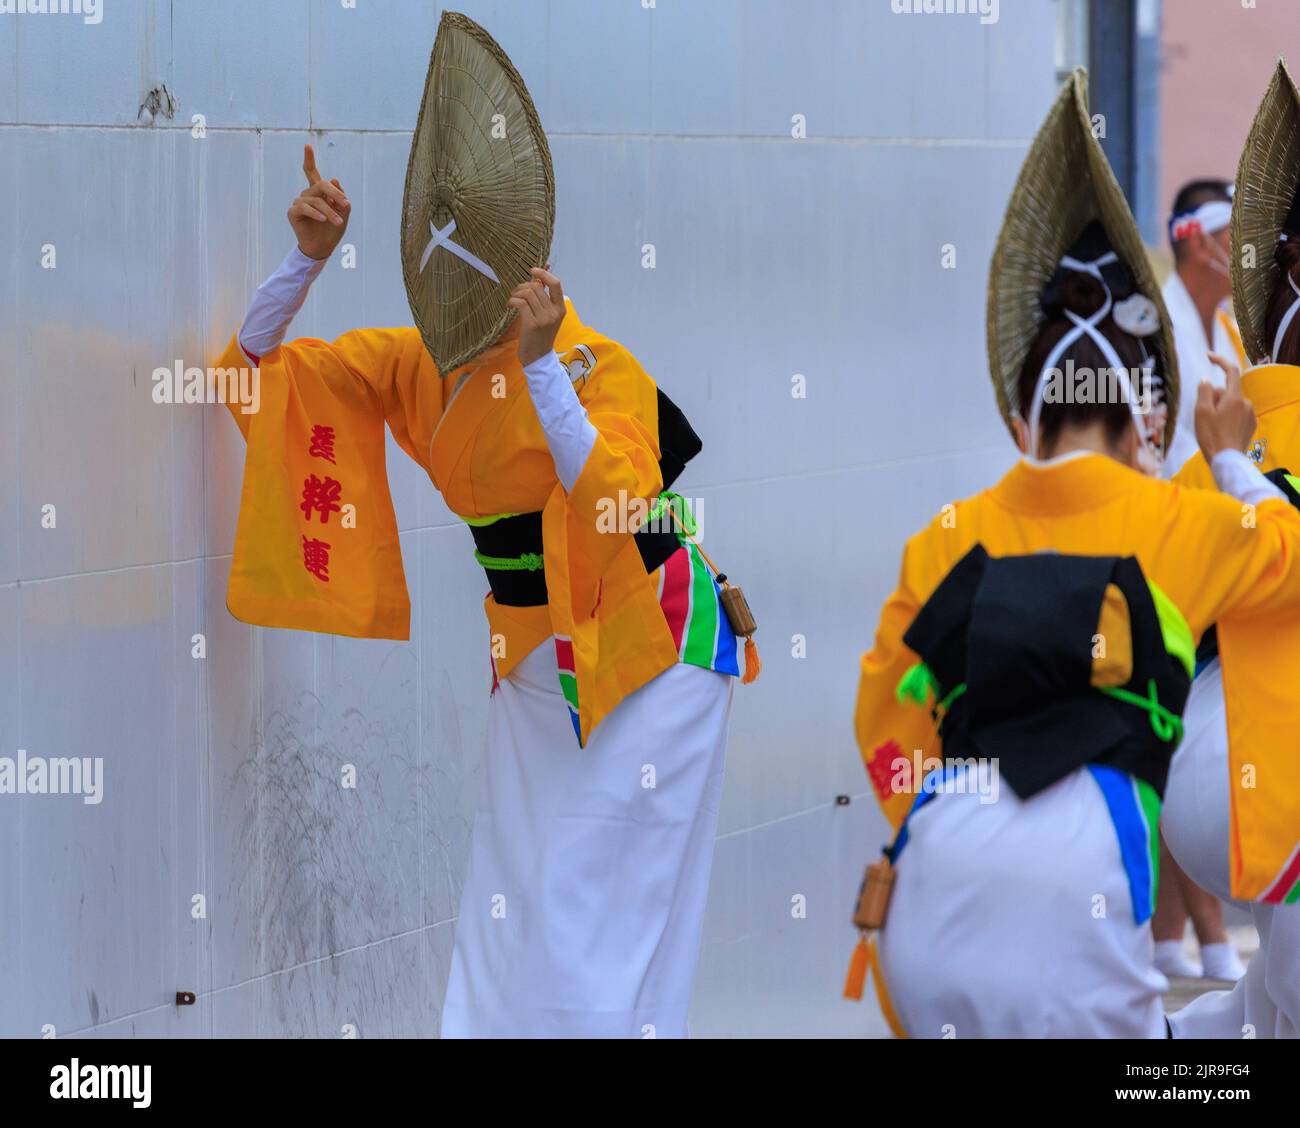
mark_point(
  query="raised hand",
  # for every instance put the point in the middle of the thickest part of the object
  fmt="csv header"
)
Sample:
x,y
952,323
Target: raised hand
x,y
319,217
540,304
1225,419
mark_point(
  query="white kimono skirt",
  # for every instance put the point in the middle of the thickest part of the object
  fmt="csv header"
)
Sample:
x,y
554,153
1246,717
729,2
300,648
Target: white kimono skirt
x,y
583,905
1266,1002
1015,918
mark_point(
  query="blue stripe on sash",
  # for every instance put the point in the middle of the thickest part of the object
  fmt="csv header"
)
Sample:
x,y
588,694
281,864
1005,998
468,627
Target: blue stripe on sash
x,y
1133,833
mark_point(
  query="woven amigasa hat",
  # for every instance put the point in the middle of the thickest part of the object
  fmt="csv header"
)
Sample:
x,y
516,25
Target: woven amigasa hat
x,y
1066,202
1265,209
479,208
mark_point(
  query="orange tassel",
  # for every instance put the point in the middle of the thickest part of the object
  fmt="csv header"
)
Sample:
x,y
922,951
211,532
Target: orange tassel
x,y
753,667
859,965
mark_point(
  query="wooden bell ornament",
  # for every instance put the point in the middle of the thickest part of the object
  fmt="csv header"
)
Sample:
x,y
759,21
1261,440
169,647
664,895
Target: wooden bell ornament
x,y
873,897
869,916
743,623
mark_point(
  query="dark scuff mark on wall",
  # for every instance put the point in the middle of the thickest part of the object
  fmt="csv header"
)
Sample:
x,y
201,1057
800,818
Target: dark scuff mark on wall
x,y
159,102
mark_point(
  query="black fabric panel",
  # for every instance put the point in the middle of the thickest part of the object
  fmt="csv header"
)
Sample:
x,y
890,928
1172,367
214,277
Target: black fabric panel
x,y
678,442
1031,631
938,633
655,548
512,537
1019,632
1208,648
1046,743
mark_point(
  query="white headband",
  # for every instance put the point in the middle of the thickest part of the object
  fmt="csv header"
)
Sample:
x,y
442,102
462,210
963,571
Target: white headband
x,y
1084,326
1212,216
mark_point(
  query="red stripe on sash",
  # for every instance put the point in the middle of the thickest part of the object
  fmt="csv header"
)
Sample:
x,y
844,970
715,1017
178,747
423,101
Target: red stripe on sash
x,y
676,600
1283,885
564,654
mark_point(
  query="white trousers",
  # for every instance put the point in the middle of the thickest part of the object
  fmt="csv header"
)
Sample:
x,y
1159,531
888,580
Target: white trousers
x,y
1014,919
1195,821
584,901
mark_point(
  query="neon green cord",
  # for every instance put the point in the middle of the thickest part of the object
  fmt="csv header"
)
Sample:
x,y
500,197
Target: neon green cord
x,y
528,562
1168,726
681,511
918,685
947,701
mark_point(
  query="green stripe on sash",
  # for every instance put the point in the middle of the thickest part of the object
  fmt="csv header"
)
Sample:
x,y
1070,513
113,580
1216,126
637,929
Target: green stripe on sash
x,y
702,629
1149,802
569,687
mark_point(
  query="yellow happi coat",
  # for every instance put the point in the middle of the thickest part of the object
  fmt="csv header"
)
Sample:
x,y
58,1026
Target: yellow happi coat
x,y
1219,562
317,445
1264,854
1229,324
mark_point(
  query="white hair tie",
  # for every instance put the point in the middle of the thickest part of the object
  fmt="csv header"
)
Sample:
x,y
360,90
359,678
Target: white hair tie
x,y
1082,326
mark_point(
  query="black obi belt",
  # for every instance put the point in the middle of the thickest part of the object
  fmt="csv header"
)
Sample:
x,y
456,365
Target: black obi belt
x,y
510,548
1047,663
510,551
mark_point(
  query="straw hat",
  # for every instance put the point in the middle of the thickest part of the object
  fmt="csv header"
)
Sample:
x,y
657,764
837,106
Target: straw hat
x,y
1266,194
1066,183
479,208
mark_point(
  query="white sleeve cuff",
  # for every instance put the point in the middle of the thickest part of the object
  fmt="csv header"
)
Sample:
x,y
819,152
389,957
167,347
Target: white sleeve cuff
x,y
277,303
1237,476
564,421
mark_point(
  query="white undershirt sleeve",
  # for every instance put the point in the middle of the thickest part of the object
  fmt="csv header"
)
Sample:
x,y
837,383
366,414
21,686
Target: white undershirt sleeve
x,y
564,421
1236,475
277,303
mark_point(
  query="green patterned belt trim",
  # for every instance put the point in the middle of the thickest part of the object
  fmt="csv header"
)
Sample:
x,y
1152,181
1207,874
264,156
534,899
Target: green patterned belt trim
x,y
528,562
483,522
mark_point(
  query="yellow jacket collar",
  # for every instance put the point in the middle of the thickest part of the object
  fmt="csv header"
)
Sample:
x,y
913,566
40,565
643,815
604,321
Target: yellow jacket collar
x,y
1069,485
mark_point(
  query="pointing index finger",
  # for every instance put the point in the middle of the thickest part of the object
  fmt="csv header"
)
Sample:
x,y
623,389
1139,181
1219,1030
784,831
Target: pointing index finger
x,y
1232,374
309,165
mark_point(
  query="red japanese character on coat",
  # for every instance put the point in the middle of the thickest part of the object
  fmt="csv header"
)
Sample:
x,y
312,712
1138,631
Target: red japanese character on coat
x,y
321,496
322,444
316,558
